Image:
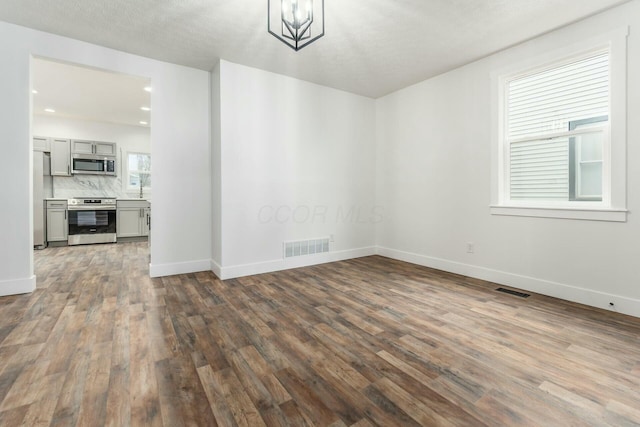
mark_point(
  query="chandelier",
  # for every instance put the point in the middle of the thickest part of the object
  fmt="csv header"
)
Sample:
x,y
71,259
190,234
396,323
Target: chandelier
x,y
295,19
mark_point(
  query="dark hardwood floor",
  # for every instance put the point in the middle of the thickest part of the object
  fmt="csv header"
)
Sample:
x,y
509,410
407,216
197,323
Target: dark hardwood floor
x,y
360,343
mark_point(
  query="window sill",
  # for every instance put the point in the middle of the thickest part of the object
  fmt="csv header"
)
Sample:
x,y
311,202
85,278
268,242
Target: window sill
x,y
614,215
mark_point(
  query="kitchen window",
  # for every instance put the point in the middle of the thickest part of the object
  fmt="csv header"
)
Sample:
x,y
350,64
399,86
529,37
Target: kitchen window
x,y
138,171
562,136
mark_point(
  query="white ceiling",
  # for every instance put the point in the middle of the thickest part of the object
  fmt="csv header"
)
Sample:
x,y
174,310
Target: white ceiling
x,y
89,94
371,47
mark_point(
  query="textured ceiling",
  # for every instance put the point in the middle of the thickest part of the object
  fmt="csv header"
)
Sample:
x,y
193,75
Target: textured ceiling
x,y
371,47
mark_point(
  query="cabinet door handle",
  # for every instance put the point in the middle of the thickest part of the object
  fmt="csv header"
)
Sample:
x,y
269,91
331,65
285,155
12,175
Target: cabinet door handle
x,y
65,215
68,169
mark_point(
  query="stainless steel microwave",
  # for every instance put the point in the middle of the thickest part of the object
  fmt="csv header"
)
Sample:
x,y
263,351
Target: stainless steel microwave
x,y
93,164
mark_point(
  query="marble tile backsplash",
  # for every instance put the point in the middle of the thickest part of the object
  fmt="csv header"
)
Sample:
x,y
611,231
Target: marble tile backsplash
x,y
89,186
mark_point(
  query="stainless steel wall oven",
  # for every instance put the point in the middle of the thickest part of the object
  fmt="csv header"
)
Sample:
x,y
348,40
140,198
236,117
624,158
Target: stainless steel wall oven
x,y
92,220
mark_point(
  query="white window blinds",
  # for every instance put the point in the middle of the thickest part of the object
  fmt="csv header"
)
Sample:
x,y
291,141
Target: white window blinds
x,y
540,108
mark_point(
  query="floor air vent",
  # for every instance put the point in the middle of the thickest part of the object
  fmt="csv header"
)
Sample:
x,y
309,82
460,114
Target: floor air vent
x,y
306,247
516,293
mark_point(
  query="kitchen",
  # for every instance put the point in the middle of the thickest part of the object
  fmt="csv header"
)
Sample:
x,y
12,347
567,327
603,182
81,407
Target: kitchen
x,y
91,155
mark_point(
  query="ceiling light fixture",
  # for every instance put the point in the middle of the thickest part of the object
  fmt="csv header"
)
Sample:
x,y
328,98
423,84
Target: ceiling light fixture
x,y
147,88
294,17
49,110
145,108
35,92
143,122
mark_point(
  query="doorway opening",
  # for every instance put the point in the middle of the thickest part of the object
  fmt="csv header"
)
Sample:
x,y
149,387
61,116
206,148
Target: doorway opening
x,y
91,144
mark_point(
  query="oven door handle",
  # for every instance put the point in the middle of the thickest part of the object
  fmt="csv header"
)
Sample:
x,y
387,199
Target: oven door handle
x,y
92,208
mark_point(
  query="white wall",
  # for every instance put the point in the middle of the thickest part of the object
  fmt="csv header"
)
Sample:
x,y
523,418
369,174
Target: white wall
x,y
16,258
128,138
298,162
434,159
180,135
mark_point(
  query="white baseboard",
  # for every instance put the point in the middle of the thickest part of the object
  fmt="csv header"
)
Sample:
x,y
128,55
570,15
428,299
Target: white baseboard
x,y
232,272
161,270
17,286
584,296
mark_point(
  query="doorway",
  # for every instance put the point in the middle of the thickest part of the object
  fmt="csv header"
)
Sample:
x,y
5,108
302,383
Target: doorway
x,y
91,141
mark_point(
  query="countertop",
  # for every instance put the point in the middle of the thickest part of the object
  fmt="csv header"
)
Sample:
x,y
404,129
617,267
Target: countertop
x,y
125,199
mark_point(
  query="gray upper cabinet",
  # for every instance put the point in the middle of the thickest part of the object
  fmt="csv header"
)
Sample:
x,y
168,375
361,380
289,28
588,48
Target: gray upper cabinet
x,y
93,147
41,144
105,148
81,147
60,157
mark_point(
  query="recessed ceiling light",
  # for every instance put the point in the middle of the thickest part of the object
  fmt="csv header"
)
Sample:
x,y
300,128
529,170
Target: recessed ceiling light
x,y
49,110
143,122
145,108
34,91
147,88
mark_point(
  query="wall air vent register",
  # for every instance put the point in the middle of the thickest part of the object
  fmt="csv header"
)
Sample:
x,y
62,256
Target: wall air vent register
x,y
306,247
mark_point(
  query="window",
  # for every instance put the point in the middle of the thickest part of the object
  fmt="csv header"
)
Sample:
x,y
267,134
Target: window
x,y
138,171
561,132
543,110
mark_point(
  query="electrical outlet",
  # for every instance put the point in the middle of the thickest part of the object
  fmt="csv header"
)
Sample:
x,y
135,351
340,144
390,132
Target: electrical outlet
x,y
470,247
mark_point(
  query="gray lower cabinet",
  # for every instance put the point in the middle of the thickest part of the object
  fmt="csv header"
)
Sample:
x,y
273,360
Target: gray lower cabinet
x,y
57,221
146,224
132,218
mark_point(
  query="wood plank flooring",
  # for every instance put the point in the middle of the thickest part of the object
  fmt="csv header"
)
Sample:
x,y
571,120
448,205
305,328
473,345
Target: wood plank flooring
x,y
363,342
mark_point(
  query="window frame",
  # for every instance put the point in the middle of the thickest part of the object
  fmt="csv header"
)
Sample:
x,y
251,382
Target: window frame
x,y
128,187
613,204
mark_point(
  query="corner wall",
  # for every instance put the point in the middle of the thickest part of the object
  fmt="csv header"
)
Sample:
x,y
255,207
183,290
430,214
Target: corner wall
x,y
297,162
216,173
434,158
